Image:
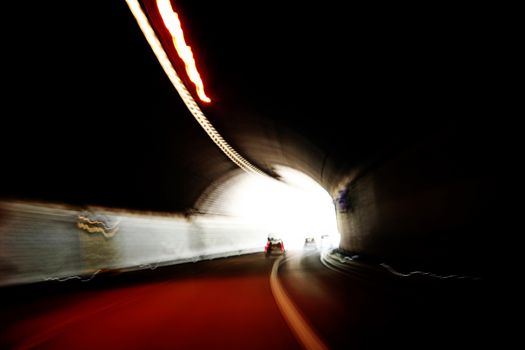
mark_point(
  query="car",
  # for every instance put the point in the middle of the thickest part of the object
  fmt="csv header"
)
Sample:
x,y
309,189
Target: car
x,y
329,241
310,243
274,246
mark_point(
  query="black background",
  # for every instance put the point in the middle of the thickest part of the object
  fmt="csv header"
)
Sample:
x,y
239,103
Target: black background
x,y
89,117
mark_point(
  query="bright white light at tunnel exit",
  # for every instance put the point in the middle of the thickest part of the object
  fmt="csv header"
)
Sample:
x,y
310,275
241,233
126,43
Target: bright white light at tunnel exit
x,y
293,210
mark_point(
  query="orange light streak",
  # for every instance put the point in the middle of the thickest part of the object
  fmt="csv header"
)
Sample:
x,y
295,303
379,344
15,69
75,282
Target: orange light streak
x,y
94,226
188,99
172,23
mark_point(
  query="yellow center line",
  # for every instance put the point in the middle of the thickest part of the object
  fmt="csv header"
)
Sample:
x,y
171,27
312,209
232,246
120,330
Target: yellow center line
x,y
299,326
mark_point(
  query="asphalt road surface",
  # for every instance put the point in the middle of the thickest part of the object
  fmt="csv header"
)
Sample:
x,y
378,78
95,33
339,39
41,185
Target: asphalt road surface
x,y
231,303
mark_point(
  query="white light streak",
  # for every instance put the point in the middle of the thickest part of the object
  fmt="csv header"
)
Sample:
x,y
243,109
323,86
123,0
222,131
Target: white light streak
x,y
172,23
195,110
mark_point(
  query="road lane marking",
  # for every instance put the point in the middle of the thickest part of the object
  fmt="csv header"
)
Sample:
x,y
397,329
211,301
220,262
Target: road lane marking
x,y
299,326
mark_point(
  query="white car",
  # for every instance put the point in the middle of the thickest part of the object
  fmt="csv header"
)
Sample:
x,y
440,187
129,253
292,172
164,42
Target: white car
x,y
310,243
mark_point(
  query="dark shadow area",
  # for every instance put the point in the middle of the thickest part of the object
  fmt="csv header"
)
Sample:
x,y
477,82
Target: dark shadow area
x,y
370,308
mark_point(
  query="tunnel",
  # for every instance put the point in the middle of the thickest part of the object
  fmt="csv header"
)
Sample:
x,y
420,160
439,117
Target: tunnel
x,y
396,112
386,118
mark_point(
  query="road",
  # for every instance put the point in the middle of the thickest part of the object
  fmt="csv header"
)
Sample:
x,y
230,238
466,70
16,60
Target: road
x,y
229,304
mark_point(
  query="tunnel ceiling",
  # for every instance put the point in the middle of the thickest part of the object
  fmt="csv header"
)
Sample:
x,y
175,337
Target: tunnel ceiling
x,y
91,118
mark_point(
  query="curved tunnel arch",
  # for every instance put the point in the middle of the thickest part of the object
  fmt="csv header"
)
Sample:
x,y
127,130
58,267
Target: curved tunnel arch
x,y
405,140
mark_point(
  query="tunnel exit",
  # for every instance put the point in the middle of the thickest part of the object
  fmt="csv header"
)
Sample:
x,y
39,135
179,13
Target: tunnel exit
x,y
58,241
294,209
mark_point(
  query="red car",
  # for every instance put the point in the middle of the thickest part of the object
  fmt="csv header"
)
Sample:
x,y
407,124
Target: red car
x,y
274,246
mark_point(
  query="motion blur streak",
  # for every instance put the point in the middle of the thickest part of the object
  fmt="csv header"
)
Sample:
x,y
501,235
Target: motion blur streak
x,y
73,278
94,229
302,330
43,241
95,222
183,92
93,226
172,22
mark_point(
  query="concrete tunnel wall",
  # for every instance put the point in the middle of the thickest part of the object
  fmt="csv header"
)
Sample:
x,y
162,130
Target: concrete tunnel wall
x,y
434,205
43,241
431,202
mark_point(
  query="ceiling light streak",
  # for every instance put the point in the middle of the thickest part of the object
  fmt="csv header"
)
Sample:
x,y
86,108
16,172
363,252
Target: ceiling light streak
x,y
172,23
183,92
